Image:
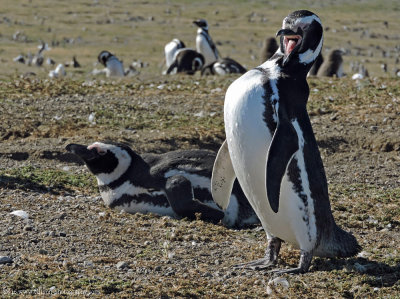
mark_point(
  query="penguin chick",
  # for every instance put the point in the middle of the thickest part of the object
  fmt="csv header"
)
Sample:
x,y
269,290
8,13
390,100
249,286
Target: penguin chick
x,y
222,67
175,183
271,149
269,48
316,65
332,66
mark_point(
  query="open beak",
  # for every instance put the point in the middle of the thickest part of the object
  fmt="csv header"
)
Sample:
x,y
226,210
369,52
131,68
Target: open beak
x,y
291,40
82,151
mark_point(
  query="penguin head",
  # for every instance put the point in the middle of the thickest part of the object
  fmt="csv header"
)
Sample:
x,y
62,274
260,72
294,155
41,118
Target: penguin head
x,y
107,161
198,63
104,56
301,38
179,44
201,23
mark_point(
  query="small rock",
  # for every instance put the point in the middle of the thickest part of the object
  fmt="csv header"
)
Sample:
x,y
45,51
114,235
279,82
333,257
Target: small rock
x,y
28,228
62,234
276,282
20,213
43,251
88,264
5,260
122,265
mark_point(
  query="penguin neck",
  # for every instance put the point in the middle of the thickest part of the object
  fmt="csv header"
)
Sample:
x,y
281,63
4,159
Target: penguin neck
x,y
292,65
137,173
202,31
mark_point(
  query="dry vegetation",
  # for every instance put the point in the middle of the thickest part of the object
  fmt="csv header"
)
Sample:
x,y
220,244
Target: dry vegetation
x,y
72,246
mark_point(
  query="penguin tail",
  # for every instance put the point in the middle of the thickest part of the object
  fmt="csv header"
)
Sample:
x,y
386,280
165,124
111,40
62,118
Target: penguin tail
x,y
340,244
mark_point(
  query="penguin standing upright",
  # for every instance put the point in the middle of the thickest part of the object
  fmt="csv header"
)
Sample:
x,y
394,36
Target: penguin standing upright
x,y
271,149
204,42
332,66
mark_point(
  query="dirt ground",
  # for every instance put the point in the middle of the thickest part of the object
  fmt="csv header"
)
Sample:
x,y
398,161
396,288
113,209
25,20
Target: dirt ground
x,y
72,246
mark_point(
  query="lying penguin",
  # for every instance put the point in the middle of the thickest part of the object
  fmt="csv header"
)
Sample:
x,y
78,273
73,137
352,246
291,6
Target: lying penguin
x,y
176,183
223,66
186,61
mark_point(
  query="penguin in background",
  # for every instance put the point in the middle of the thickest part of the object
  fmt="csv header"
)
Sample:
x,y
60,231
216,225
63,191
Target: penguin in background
x,y
204,42
270,46
186,61
113,66
171,49
332,65
316,65
271,149
223,66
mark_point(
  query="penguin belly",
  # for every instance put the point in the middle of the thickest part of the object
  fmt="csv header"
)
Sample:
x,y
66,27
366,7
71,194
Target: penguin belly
x,y
248,139
204,48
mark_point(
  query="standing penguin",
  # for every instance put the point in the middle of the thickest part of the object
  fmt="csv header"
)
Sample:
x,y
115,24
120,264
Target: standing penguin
x,y
332,66
271,149
204,42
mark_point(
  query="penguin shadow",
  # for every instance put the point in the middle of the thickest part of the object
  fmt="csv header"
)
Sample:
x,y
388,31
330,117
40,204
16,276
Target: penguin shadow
x,y
378,274
26,184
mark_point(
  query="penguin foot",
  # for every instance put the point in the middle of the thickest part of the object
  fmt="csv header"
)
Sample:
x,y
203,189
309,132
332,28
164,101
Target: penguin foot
x,y
260,264
304,265
297,270
270,259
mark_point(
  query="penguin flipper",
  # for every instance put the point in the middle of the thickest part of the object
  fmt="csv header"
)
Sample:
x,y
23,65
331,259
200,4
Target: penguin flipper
x,y
180,196
223,177
284,144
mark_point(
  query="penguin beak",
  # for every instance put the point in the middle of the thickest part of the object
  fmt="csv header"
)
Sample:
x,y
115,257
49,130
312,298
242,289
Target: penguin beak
x,y
291,40
82,151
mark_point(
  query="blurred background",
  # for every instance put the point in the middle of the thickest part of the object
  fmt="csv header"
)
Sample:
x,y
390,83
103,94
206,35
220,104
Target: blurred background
x,y
367,31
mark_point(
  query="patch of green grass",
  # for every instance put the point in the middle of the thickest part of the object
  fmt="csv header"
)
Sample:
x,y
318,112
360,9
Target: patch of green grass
x,y
30,177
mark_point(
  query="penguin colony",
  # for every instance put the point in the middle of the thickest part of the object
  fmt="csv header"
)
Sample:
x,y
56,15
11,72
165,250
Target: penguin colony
x,y
265,120
271,149
176,184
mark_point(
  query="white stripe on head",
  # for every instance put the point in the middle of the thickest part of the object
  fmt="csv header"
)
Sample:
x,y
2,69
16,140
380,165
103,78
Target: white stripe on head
x,y
309,56
123,157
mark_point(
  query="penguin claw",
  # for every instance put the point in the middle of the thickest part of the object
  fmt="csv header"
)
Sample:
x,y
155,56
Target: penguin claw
x,y
260,264
297,270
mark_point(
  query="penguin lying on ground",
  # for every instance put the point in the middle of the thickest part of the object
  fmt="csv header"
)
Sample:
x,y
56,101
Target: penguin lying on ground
x,y
186,61
222,67
114,67
175,183
271,149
